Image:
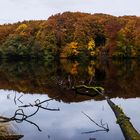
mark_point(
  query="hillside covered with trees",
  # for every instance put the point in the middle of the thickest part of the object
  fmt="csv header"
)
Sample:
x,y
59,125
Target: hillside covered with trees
x,y
72,35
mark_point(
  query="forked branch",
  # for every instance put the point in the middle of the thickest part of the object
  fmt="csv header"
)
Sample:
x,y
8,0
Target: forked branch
x,y
103,126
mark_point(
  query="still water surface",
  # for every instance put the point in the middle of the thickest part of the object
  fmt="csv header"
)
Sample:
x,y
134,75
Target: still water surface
x,y
22,83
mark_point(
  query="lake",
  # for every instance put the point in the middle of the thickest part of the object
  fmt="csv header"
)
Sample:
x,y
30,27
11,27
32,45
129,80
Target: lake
x,y
26,87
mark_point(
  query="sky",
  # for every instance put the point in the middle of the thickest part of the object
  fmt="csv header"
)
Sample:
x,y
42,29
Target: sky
x,y
19,10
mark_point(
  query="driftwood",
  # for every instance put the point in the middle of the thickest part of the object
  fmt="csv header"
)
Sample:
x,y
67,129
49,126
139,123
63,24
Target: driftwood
x,y
129,132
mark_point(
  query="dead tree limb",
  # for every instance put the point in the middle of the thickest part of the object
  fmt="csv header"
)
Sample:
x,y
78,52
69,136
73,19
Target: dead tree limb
x,y
104,127
39,104
89,90
129,132
19,117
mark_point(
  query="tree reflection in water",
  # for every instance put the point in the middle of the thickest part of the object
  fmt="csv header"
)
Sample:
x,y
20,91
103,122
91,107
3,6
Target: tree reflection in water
x,y
57,79
103,126
20,116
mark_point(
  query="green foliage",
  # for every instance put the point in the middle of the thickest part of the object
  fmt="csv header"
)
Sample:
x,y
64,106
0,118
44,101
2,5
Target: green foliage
x,y
50,45
13,47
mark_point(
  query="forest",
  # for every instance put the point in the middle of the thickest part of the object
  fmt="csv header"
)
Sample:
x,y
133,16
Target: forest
x,y
72,35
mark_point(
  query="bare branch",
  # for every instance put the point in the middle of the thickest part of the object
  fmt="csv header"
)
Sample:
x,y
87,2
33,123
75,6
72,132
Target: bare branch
x,y
103,126
39,104
19,115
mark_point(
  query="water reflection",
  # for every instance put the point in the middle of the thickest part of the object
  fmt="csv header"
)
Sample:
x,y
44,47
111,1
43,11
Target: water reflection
x,y
20,116
44,80
120,79
69,123
102,126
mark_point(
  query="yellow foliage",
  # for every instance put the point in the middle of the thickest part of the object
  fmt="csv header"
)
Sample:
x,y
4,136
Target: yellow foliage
x,y
91,70
21,28
75,52
91,45
92,53
92,62
91,48
70,50
73,45
38,35
69,66
74,69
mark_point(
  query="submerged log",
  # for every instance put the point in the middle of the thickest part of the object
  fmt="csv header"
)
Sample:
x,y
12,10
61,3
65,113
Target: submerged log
x,y
129,132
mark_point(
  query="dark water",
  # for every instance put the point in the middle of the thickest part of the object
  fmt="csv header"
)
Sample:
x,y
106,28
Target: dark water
x,y
23,83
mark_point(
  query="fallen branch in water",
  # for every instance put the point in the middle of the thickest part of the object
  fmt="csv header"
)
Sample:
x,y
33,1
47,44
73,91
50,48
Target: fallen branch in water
x,y
129,132
89,90
101,125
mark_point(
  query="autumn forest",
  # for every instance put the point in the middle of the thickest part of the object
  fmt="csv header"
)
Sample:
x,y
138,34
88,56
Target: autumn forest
x,y
72,72
73,36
